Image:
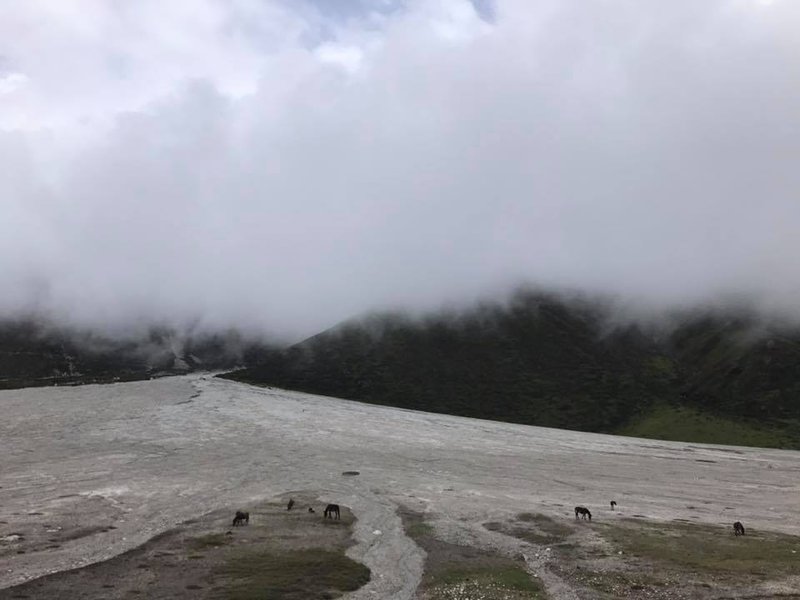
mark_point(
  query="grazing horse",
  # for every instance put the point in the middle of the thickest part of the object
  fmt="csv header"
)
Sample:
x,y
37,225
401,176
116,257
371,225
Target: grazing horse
x,y
613,505
332,509
583,512
291,504
241,518
738,528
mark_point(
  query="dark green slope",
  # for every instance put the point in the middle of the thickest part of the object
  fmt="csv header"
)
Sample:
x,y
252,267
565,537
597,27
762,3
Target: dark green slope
x,y
34,353
740,367
534,360
542,360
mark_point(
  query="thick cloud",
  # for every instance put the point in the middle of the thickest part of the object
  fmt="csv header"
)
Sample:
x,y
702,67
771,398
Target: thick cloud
x,y
280,166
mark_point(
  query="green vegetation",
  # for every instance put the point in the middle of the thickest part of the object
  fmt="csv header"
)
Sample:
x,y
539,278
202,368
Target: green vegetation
x,y
537,529
454,572
542,360
418,530
535,361
705,548
40,353
495,582
665,422
540,529
291,575
617,584
212,540
545,523
529,535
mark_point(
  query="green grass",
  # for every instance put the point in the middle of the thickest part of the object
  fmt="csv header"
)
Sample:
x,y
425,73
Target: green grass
x,y
547,524
454,572
535,528
418,530
705,548
615,584
491,582
511,577
664,422
291,575
212,540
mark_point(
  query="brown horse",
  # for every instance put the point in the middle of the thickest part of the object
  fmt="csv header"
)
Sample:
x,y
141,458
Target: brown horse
x,y
738,528
332,509
241,518
583,512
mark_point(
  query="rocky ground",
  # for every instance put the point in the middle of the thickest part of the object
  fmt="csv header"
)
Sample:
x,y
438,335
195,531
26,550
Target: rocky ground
x,y
92,472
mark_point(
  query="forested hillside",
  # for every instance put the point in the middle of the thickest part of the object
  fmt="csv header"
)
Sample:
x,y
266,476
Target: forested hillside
x,y
542,360
35,353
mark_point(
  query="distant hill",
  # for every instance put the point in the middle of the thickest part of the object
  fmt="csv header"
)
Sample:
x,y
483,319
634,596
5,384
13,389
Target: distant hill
x,y
34,353
542,360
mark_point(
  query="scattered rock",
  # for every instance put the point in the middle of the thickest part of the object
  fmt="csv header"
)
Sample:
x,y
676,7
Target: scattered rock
x,y
11,538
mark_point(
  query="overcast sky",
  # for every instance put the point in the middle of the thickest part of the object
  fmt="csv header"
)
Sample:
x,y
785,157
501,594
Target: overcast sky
x,y
284,164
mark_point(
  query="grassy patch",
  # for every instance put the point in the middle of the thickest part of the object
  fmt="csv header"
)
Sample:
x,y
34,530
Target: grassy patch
x,y
534,537
665,422
212,540
705,548
546,524
291,575
615,584
490,583
418,530
454,572
534,528
510,577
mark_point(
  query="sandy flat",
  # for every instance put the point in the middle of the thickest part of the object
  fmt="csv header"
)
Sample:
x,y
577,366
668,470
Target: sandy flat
x,y
89,472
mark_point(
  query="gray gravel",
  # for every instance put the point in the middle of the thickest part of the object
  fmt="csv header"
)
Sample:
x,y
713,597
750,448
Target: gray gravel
x,y
147,455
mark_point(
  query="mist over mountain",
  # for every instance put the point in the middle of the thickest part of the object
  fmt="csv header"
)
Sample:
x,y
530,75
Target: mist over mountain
x,y
283,166
726,374
543,359
36,352
273,168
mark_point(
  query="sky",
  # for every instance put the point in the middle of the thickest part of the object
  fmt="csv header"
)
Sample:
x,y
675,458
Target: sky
x,y
281,165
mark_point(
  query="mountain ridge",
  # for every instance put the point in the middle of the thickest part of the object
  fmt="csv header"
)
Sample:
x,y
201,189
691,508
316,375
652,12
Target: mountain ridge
x,y
34,352
541,359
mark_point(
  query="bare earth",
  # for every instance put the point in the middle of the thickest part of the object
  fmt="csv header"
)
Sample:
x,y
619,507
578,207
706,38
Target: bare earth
x,y
91,472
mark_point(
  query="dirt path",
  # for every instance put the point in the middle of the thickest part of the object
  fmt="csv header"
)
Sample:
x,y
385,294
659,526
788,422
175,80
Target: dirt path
x,y
142,457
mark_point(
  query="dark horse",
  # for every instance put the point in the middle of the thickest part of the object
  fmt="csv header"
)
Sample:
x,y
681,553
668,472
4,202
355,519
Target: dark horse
x,y
738,528
583,511
613,505
332,509
241,518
